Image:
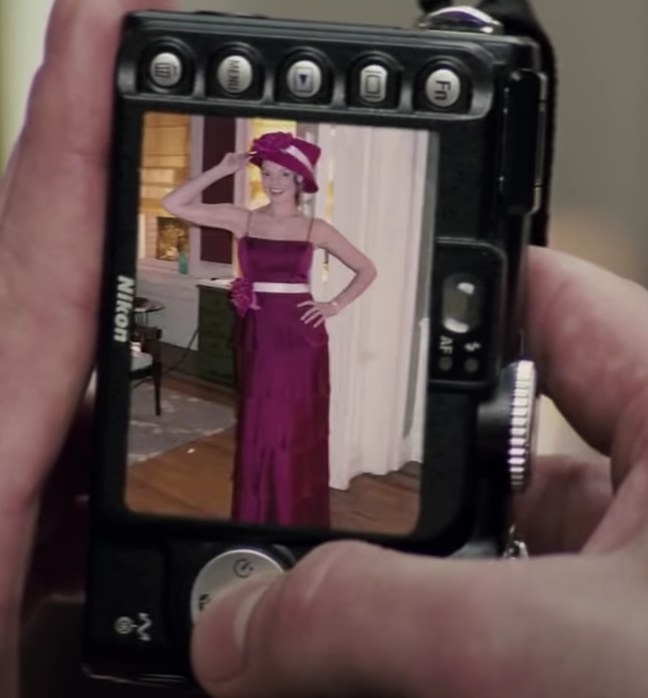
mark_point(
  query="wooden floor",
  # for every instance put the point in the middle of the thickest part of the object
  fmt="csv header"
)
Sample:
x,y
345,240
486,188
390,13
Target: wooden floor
x,y
195,480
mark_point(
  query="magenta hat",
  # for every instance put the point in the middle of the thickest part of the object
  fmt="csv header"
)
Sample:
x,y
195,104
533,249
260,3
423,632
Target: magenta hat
x,y
293,153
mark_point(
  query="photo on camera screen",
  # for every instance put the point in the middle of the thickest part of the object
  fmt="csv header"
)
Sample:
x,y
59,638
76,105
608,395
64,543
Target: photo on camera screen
x,y
280,335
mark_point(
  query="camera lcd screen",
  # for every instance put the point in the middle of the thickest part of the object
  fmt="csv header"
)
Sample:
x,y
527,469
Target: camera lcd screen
x,y
279,340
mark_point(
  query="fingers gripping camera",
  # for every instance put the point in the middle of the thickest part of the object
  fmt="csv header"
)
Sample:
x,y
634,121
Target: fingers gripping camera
x,y
311,330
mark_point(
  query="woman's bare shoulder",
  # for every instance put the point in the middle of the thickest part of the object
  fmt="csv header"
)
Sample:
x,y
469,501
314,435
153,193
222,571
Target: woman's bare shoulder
x,y
324,232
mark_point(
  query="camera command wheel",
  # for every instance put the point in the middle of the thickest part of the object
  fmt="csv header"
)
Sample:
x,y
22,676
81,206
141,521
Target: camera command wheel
x,y
440,16
507,424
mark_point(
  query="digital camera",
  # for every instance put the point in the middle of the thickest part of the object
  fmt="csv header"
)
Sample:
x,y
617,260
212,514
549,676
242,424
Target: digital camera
x,y
311,318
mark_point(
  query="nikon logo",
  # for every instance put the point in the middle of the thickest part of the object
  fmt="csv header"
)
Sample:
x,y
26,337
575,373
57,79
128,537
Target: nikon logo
x,y
123,308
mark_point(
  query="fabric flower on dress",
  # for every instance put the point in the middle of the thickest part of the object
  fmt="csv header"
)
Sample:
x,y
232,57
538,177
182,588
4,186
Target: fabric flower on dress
x,y
242,296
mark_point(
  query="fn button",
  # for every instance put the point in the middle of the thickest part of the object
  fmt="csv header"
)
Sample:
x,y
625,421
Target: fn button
x,y
445,87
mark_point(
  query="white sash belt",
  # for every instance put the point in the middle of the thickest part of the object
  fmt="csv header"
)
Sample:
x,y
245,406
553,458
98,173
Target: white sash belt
x,y
270,287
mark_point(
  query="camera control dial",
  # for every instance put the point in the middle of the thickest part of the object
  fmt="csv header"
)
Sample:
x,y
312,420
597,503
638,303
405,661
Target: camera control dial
x,y
522,425
467,19
507,424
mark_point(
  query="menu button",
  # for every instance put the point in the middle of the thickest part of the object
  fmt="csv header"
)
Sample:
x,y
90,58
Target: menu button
x,y
235,74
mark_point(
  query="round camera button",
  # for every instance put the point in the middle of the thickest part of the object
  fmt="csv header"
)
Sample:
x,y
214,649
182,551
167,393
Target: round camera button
x,y
304,79
223,570
166,70
235,74
443,88
374,83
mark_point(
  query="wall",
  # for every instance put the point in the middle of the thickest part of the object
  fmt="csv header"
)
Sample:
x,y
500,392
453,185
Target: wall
x,y
600,212
602,139
179,295
600,208
599,200
22,26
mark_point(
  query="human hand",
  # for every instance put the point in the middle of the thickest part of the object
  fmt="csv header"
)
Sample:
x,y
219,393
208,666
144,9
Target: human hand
x,y
50,260
354,620
318,313
233,162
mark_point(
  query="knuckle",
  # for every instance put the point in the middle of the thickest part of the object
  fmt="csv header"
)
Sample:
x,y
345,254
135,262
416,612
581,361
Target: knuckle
x,y
313,597
328,606
458,633
486,630
324,613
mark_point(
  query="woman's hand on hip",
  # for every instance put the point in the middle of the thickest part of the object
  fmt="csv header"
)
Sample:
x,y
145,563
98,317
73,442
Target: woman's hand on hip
x,y
318,312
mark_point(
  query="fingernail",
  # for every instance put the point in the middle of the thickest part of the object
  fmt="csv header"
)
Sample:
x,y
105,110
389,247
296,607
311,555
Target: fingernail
x,y
220,633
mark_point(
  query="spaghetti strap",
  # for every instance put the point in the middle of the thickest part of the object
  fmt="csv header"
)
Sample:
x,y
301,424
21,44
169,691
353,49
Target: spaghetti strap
x,y
310,229
247,225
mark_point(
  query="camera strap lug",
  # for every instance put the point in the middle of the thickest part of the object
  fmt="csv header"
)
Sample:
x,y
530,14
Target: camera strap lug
x,y
515,548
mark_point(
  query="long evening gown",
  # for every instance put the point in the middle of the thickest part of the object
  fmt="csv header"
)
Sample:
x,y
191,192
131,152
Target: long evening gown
x,y
281,471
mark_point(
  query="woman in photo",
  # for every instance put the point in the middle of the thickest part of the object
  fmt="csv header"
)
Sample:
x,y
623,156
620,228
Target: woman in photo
x,y
281,470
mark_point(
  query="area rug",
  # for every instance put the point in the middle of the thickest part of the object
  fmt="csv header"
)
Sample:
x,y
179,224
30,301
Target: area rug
x,y
183,419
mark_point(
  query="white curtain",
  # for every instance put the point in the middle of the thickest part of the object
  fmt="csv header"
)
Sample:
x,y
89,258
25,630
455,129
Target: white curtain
x,y
413,440
379,177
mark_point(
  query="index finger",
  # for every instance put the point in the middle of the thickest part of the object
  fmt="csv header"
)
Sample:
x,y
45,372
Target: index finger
x,y
587,332
52,208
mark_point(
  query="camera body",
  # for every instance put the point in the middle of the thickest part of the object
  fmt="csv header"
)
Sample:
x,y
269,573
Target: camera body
x,y
476,99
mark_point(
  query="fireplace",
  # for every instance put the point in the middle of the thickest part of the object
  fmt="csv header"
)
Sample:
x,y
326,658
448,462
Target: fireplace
x,y
165,238
165,165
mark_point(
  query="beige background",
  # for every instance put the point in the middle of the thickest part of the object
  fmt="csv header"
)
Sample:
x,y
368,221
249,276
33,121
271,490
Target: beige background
x,y
600,207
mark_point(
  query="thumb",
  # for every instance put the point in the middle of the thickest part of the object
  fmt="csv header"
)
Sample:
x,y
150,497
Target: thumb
x,y
346,621
355,620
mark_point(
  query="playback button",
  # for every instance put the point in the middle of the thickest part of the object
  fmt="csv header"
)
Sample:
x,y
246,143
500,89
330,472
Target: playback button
x,y
306,78
232,566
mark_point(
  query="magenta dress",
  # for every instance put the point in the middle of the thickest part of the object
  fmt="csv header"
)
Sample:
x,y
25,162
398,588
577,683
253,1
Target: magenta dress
x,y
281,472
